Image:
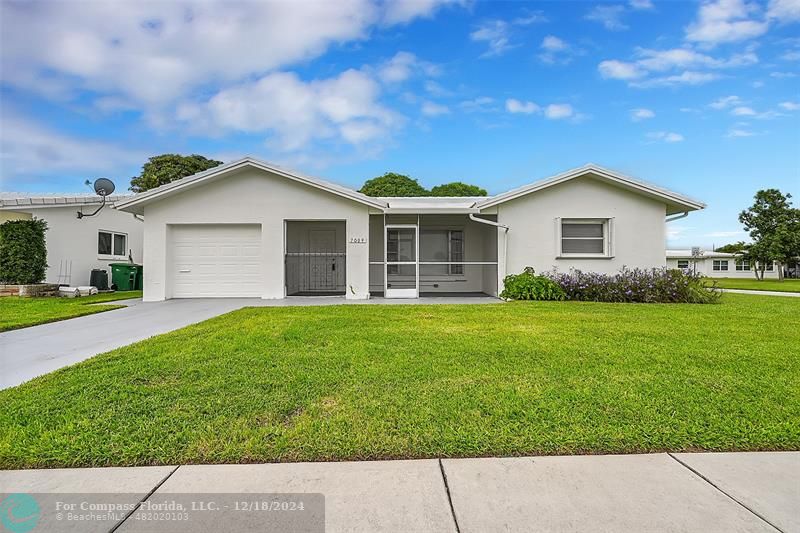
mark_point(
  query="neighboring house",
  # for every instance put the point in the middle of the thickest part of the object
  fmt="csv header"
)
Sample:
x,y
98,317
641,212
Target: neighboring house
x,y
251,229
76,246
716,264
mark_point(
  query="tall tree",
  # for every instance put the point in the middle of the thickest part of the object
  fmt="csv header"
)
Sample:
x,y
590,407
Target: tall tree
x,y
391,184
457,188
165,168
774,227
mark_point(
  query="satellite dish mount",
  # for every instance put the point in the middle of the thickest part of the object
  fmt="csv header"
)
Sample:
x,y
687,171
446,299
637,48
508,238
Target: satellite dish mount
x,y
102,187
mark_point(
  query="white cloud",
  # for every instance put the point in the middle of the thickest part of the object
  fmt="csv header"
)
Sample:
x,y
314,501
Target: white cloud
x,y
496,34
684,78
516,106
556,50
681,58
782,75
404,65
725,21
432,109
784,10
533,17
398,68
665,136
610,16
790,106
743,111
436,89
725,102
408,10
558,111
738,132
29,148
619,70
551,43
479,104
294,113
641,5
641,114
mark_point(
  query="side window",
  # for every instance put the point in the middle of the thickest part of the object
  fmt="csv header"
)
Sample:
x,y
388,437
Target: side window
x,y
584,237
683,264
112,245
720,265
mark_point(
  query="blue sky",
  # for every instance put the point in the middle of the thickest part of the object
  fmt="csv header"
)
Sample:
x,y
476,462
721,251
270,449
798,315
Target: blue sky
x,y
702,98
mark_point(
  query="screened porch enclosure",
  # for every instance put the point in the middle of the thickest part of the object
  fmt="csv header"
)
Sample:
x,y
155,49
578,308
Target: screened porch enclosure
x,y
413,255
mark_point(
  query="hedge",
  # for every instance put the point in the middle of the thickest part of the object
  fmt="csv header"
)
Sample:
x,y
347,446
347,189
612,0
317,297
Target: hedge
x,y
23,253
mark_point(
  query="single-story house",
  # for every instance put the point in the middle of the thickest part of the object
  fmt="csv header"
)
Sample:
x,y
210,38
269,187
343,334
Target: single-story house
x,y
76,246
716,264
252,229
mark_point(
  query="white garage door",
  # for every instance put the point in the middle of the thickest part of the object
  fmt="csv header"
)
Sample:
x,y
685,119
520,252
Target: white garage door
x,y
221,260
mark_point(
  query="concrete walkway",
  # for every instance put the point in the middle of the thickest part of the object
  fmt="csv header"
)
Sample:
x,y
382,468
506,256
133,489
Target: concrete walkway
x,y
31,352
763,293
703,492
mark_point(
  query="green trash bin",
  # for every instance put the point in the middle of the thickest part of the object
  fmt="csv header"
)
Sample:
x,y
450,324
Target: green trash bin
x,y
126,276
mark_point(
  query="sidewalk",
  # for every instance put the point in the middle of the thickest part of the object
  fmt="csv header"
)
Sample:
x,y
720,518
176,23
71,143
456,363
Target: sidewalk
x,y
763,293
702,492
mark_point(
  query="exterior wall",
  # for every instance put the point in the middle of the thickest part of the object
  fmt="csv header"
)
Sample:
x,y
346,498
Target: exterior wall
x,y
253,196
5,216
479,245
705,266
637,233
70,239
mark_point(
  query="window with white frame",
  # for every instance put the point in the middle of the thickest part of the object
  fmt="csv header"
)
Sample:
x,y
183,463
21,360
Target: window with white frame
x,y
683,264
743,265
770,266
111,244
719,265
584,237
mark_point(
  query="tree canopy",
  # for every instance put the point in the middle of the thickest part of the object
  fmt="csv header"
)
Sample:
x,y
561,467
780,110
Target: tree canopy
x,y
733,248
774,227
165,168
457,188
391,184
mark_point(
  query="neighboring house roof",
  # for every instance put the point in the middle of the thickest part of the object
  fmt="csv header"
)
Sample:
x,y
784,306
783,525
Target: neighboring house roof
x,y
219,171
678,202
704,254
29,200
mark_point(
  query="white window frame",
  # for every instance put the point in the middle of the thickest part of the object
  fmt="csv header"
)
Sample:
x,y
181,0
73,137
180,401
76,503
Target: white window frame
x,y
684,267
717,264
743,265
608,238
113,235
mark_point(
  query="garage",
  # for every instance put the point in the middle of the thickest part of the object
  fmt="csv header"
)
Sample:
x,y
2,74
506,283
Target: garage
x,y
215,260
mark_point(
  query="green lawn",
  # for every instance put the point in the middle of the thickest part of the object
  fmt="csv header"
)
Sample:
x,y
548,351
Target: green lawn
x,y
371,382
16,312
787,285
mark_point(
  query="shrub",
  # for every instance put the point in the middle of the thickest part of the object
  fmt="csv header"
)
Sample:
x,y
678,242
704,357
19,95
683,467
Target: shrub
x,y
657,285
529,286
23,253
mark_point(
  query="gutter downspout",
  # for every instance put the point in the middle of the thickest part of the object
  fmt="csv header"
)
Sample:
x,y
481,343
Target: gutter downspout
x,y
505,239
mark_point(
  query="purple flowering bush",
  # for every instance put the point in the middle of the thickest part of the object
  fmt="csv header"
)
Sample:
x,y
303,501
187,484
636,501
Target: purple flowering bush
x,y
637,285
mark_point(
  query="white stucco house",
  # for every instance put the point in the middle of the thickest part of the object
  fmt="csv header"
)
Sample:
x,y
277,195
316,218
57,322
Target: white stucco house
x,y
717,264
76,246
252,229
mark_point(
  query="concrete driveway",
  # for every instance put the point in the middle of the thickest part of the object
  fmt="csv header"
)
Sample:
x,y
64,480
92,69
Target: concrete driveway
x,y
31,352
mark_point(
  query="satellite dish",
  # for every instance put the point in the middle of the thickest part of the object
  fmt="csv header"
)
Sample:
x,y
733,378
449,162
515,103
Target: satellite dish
x,y
103,186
